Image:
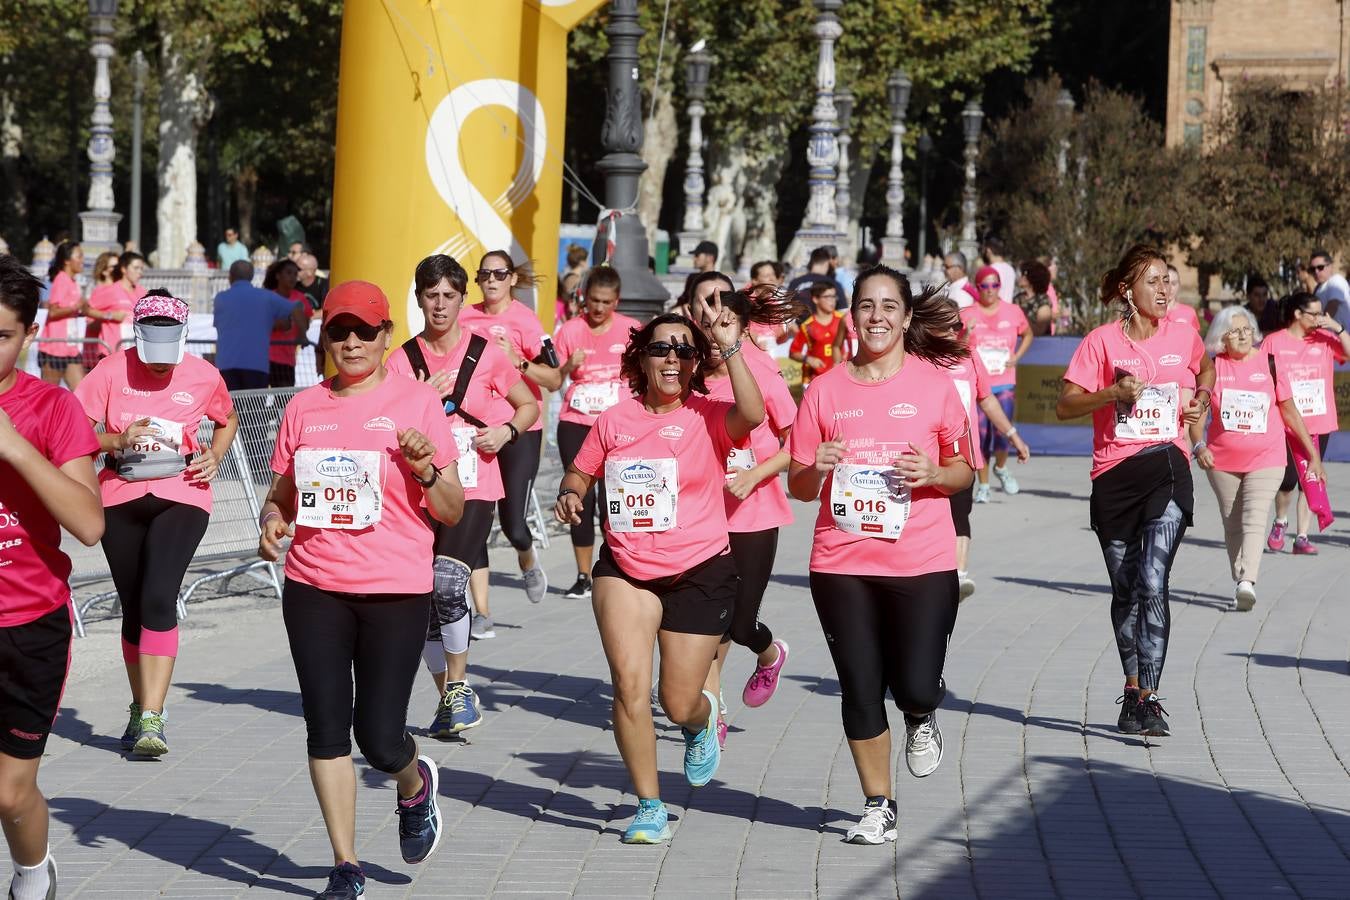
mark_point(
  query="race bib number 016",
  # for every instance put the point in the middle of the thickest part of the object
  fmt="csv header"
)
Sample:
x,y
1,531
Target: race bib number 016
x,y
164,436
1154,416
593,398
642,494
869,500
342,489
1245,411
1310,397
468,457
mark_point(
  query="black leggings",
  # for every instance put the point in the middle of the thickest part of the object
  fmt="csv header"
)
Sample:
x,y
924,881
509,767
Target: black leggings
x,y
886,632
754,553
571,435
1290,473
462,542
374,640
149,543
519,464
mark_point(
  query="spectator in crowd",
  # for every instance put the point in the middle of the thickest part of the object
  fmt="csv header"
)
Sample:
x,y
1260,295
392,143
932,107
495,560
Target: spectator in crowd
x,y
296,250
281,279
1179,311
819,269
814,344
705,256
1033,296
245,317
993,252
1332,288
768,271
1265,312
578,262
954,270
231,250
309,282
569,297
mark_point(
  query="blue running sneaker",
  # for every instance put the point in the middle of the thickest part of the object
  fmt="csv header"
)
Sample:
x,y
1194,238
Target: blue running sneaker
x,y
459,710
701,751
133,729
650,825
345,882
419,819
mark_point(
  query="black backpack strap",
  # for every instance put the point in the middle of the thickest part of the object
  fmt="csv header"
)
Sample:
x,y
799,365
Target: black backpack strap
x,y
472,354
413,351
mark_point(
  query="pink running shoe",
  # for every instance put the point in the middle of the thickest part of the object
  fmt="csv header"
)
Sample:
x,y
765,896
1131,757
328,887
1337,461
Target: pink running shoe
x,y
721,731
759,689
1276,540
1304,547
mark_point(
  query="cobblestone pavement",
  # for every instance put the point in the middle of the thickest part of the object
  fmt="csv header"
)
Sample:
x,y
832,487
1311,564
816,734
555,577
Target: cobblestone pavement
x,y
1038,796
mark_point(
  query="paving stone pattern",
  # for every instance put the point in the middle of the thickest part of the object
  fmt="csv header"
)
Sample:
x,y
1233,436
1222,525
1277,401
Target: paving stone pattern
x,y
1037,796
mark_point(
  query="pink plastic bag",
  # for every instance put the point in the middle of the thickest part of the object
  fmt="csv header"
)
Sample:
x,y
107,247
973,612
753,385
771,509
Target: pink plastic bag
x,y
1314,490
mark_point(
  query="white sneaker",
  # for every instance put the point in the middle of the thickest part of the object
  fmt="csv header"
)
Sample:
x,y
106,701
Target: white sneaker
x,y
923,746
536,584
877,825
981,493
1245,598
967,586
1006,480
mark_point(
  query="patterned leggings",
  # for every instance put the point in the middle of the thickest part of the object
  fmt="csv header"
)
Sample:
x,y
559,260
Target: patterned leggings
x,y
1139,606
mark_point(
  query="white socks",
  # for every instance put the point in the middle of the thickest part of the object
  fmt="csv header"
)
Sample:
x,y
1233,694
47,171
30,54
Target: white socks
x,y
33,882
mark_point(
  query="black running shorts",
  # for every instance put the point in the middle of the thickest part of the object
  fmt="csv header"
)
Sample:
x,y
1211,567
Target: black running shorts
x,y
34,662
699,601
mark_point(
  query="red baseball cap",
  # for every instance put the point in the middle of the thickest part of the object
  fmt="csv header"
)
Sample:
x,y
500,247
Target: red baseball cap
x,y
357,298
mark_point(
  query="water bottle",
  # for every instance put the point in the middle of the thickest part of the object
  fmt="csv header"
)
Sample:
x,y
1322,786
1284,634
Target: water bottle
x,y
550,355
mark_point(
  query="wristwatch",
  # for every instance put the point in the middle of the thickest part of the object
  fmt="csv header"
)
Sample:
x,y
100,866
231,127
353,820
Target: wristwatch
x,y
515,433
523,365
565,491
435,475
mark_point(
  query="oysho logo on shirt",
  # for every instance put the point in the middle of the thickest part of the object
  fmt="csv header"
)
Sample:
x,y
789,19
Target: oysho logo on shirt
x,y
903,411
1171,359
132,392
310,429
1127,362
183,398
672,432
848,414
624,438
379,423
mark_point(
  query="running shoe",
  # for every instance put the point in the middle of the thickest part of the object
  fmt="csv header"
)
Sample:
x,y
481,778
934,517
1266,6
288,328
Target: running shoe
x,y
1129,711
1151,721
51,880
1276,539
764,680
151,741
1006,480
581,590
345,882
480,627
1245,598
981,493
419,819
133,729
923,745
536,584
1303,546
701,751
651,825
877,825
967,586
721,731
460,706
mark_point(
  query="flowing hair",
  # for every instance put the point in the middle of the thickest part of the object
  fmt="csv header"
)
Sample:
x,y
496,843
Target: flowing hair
x,y
934,322
1127,272
630,364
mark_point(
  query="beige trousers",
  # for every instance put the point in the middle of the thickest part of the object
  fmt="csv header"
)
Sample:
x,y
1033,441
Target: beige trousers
x,y
1244,505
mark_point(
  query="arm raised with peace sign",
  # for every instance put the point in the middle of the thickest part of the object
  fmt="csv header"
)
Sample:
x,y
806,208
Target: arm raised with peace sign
x,y
723,325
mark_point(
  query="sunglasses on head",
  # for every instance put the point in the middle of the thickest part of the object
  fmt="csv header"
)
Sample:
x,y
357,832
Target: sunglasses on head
x,y
989,285
494,274
337,332
661,349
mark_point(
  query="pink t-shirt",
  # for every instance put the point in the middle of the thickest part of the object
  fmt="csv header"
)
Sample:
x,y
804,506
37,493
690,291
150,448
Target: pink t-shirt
x,y
283,347
1307,364
919,407
519,325
120,390
595,384
1246,427
493,378
393,555
637,453
993,336
1167,362
766,507
112,298
972,384
65,294
1183,314
33,570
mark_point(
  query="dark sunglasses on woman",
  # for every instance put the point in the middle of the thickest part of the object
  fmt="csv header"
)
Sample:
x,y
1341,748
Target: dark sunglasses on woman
x,y
661,349
494,274
337,331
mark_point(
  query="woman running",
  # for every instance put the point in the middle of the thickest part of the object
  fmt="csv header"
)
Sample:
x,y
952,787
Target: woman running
x,y
665,573
65,304
883,442
590,347
972,384
515,329
1304,354
156,488
470,375
47,483
1140,378
756,505
1244,455
993,327
360,460
111,304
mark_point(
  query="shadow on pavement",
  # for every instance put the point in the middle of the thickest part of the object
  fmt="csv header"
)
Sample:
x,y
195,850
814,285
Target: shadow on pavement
x,y
1334,666
198,845
70,726
1063,587
284,702
572,698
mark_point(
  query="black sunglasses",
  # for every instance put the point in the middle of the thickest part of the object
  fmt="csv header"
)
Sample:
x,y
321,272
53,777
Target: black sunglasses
x,y
661,349
495,274
338,332
1319,267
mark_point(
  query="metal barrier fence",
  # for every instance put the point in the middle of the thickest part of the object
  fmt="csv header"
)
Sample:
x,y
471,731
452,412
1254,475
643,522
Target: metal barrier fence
x,y
306,362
